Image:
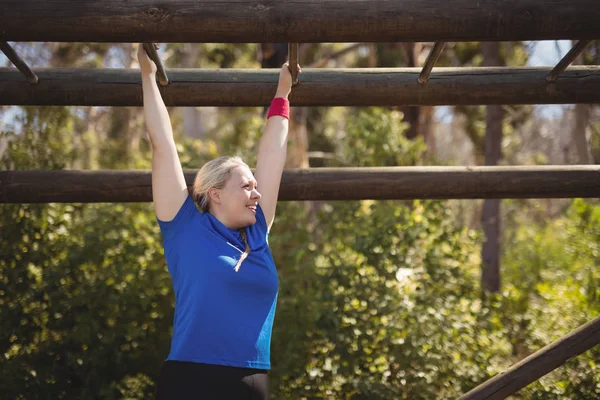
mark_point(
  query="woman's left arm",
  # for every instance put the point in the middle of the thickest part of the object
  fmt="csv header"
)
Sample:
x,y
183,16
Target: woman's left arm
x,y
272,151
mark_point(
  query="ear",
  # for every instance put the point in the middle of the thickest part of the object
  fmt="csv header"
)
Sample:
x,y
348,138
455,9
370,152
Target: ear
x,y
215,195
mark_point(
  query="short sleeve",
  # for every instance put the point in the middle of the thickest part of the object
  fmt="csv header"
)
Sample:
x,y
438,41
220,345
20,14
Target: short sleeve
x,y
261,221
170,229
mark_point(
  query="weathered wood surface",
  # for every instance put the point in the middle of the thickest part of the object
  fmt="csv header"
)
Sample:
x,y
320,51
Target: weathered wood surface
x,y
317,87
266,21
538,364
322,184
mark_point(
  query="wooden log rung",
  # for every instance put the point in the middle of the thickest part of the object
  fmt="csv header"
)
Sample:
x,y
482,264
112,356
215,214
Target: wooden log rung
x,y
321,184
317,21
320,87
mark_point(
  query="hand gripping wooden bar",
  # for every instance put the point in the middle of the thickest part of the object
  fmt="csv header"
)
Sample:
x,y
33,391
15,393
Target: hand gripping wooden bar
x,y
160,69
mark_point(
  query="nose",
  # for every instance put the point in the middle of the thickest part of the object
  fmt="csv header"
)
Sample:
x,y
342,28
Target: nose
x,y
256,194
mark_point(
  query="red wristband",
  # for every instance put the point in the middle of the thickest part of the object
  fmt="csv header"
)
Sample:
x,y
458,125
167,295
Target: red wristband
x,y
279,106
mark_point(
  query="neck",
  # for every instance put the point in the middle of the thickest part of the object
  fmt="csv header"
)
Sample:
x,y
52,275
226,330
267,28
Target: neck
x,y
222,217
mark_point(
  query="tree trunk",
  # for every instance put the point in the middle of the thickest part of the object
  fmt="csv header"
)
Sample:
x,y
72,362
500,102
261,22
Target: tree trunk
x,y
490,218
582,119
197,121
297,156
411,114
419,118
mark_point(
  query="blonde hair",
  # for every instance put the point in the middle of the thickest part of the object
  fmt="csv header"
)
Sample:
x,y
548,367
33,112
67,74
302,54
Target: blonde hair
x,y
213,174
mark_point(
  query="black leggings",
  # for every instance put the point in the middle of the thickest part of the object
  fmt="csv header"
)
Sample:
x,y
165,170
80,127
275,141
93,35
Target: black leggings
x,y
190,380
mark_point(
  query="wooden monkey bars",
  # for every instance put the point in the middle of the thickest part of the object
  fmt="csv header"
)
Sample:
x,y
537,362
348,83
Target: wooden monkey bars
x,y
251,21
319,87
322,184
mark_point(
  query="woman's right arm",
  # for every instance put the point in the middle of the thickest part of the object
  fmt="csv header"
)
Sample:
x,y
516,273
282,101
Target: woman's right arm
x,y
169,189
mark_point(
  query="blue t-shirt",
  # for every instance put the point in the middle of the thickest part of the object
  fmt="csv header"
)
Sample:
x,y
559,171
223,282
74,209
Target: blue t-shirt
x,y
222,316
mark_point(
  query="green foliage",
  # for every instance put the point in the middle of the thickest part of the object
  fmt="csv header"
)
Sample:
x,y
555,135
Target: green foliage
x,y
381,300
552,279
375,137
212,55
44,143
391,306
85,298
84,295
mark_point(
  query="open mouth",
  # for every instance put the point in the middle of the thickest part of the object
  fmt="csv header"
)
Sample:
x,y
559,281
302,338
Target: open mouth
x,y
252,207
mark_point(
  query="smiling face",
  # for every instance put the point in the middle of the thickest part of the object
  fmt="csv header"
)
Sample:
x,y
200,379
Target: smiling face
x,y
235,204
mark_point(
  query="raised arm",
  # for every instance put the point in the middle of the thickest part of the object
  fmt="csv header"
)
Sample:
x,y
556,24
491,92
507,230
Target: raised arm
x,y
272,151
169,189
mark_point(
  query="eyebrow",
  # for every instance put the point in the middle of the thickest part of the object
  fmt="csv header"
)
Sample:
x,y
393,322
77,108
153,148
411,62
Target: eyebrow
x,y
245,182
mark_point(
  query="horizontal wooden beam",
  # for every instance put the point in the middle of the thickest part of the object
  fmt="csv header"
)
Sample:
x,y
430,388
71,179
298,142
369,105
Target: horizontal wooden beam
x,y
322,184
252,21
318,87
538,364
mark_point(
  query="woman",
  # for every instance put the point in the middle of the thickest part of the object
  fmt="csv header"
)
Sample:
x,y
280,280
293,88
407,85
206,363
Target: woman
x,y
215,243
